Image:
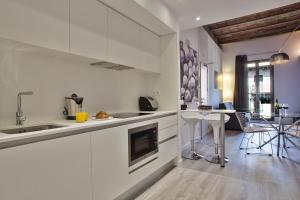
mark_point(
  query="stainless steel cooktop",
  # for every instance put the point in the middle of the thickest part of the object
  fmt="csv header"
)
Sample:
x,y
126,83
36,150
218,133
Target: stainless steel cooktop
x,y
128,114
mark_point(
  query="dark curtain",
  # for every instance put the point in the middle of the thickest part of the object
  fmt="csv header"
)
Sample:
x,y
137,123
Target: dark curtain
x,y
241,84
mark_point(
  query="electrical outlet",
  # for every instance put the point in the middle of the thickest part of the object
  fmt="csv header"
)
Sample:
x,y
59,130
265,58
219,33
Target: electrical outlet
x,y
155,93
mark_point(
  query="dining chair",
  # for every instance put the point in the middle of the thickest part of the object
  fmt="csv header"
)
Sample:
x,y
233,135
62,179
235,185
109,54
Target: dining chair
x,y
253,131
292,131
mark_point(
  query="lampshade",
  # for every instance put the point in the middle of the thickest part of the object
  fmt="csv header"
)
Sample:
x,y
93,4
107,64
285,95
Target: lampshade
x,y
279,58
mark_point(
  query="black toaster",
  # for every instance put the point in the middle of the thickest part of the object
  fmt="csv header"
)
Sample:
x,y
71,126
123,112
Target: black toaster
x,y
148,103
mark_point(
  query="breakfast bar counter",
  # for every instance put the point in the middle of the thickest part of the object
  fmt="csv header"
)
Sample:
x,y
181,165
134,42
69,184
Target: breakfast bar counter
x,y
222,122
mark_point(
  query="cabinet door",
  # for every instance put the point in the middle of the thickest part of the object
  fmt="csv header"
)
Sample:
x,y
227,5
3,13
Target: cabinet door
x,y
124,40
110,162
57,169
151,51
42,23
88,28
168,151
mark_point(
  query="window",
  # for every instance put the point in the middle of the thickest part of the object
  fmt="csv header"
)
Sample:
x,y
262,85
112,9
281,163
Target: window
x,y
251,65
260,83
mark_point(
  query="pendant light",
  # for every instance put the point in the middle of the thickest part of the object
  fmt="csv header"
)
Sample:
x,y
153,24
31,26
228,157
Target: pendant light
x,y
281,57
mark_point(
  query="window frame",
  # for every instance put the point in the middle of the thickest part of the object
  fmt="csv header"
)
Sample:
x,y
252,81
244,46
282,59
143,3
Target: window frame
x,y
256,69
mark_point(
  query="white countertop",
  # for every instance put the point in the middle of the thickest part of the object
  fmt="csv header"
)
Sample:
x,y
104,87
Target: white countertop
x,y
73,126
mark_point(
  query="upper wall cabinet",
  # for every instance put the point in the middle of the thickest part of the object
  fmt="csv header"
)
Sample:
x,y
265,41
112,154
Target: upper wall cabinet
x,y
124,40
88,28
42,23
150,44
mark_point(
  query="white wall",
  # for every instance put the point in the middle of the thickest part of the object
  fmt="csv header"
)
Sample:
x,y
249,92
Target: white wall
x,y
208,52
52,77
286,77
165,86
214,57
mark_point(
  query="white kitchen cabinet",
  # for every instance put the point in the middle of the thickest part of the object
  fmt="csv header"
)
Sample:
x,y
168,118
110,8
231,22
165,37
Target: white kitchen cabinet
x,y
110,162
57,169
167,151
88,29
124,40
89,166
110,170
42,23
167,133
150,44
166,122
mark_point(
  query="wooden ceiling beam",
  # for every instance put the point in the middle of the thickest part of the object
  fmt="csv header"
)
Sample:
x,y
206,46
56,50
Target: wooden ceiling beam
x,y
258,35
277,19
274,27
213,37
257,16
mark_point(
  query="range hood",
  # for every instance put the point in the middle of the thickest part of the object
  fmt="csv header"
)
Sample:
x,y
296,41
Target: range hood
x,y
112,66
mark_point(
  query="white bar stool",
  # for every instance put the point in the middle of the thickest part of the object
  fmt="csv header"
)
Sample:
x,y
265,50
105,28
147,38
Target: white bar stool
x,y
214,120
192,118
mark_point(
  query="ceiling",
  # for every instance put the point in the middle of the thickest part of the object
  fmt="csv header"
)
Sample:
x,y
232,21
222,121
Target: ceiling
x,y
272,22
211,11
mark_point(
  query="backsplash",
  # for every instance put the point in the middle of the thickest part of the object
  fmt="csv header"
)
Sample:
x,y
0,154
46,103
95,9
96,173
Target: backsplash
x,y
52,77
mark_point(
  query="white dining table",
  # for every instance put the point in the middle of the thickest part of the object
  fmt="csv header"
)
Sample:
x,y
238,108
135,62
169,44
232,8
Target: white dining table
x,y
222,132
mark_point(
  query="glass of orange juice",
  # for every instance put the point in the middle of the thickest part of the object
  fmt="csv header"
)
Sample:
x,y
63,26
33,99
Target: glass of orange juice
x,y
81,117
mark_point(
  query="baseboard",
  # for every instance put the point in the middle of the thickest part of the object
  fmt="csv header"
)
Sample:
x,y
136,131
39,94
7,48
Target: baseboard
x,y
179,160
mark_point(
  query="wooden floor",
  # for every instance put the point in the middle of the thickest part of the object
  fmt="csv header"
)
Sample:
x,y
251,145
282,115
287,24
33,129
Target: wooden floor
x,y
254,177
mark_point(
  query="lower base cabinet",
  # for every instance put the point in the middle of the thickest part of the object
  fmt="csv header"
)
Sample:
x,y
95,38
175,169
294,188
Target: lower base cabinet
x,y
109,162
167,151
57,169
111,174
88,166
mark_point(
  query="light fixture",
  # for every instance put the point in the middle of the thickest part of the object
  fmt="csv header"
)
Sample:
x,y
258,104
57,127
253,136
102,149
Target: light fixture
x,y
198,18
281,57
220,81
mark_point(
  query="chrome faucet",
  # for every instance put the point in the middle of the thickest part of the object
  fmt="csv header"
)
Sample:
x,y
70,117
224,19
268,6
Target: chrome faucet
x,y
20,118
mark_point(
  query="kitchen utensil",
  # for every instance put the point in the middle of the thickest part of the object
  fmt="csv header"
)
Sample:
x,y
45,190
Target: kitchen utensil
x,y
73,106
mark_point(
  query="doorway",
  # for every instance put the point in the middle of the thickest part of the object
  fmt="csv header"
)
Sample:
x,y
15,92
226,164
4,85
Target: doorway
x,y
261,87
203,84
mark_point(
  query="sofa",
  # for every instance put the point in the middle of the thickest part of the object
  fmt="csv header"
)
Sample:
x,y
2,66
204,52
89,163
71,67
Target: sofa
x,y
233,123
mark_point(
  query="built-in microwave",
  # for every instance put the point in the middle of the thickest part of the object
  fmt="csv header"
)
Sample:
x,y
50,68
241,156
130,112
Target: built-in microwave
x,y
142,143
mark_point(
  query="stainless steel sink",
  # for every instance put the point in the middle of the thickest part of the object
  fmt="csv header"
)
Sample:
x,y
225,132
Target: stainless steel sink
x,y
31,129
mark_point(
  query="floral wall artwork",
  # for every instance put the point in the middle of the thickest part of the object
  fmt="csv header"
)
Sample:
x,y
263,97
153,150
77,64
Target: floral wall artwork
x,y
189,72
